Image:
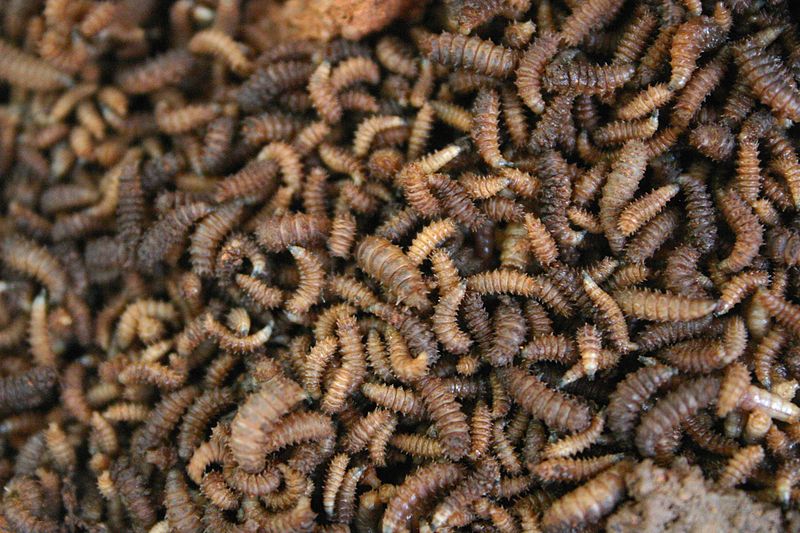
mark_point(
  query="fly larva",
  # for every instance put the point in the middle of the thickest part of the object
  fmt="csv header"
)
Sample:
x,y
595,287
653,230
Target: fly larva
x,y
557,410
292,229
565,469
482,187
611,314
674,408
456,202
540,241
514,117
198,417
691,39
700,429
369,128
626,172
429,238
352,71
748,173
765,354
133,490
701,84
472,53
209,235
652,236
555,126
395,57
746,226
323,95
555,198
395,399
298,427
737,392
788,167
336,472
682,274
420,131
403,365
740,466
636,36
769,79
589,342
485,127
268,81
531,68
168,232
419,486
164,417
453,115
30,258
256,416
662,306
549,347
364,430
449,419
621,131
628,275
645,102
389,265
714,141
445,321
575,444
271,126
417,445
29,72
585,78
184,119
183,516
353,291
631,394
739,287
509,329
638,212
589,502
312,281
700,214
220,45
586,17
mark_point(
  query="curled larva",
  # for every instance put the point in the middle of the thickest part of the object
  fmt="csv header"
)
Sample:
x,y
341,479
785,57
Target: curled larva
x,y
540,241
473,53
183,516
671,410
270,80
589,502
220,45
610,314
167,233
736,391
199,416
698,87
661,306
453,115
31,259
418,487
531,67
392,268
256,416
638,212
311,283
429,238
393,55
394,398
738,287
714,141
554,408
209,235
369,128
445,321
352,71
575,444
629,398
747,228
485,127
645,102
323,95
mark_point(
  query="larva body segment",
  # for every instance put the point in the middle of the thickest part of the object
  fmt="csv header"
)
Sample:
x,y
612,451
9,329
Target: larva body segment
x,y
485,130
589,502
611,314
671,410
575,444
447,415
445,321
661,306
554,408
391,267
585,78
631,394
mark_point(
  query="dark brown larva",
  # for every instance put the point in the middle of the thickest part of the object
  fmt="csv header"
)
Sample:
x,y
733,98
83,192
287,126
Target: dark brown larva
x,y
484,57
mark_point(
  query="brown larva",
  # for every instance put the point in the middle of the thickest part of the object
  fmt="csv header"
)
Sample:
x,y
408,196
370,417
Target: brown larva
x,y
565,469
713,141
589,502
455,201
737,392
473,53
691,39
556,125
585,78
509,333
661,306
417,487
788,167
638,212
485,127
746,226
620,186
387,263
621,131
766,74
198,417
556,410
575,444
445,323
311,283
697,89
682,274
652,236
671,410
610,313
216,43
540,241
268,81
369,128
554,348
589,343
699,429
740,466
587,17
447,416
256,416
37,262
738,287
531,68
630,396
635,38
407,368
363,431
395,57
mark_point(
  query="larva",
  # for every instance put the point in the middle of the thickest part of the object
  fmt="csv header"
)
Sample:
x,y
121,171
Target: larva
x,y
736,391
554,348
740,466
554,408
589,343
391,267
509,332
748,230
311,282
473,53
589,502
701,83
485,127
691,39
636,36
447,415
713,141
270,80
423,483
574,444
555,196
429,238
738,287
531,67
621,184
766,74
260,412
563,469
631,394
514,117
198,416
661,306
611,314
556,125
540,241
393,55
369,128
223,47
29,258
352,71
671,410
638,212
586,17
585,78
353,291
621,131
445,323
